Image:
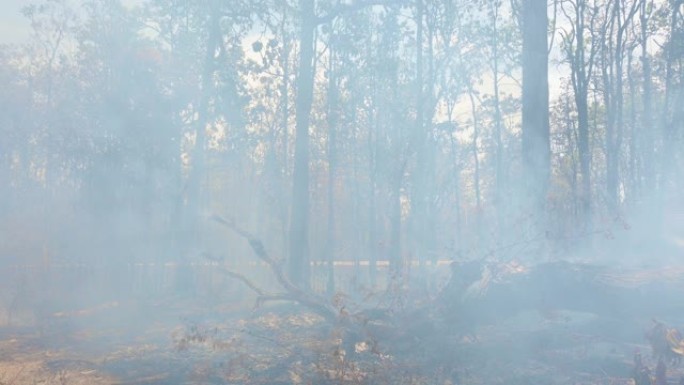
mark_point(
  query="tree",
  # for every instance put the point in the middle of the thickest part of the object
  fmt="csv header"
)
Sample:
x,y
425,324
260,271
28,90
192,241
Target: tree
x,y
498,63
536,152
196,206
674,51
299,259
580,51
333,123
618,19
298,268
647,132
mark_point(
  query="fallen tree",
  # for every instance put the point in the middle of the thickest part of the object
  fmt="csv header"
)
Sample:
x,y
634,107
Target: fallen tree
x,y
479,294
501,290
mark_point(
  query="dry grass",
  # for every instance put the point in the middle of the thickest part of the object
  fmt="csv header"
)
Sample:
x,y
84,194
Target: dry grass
x,y
22,365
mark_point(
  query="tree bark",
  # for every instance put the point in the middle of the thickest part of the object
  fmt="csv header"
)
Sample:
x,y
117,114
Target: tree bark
x,y
581,75
332,166
299,268
647,138
498,123
668,125
419,218
194,209
535,105
476,159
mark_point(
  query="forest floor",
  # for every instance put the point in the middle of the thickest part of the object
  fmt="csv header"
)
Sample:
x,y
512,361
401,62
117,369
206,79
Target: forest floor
x,y
197,340
187,341
115,343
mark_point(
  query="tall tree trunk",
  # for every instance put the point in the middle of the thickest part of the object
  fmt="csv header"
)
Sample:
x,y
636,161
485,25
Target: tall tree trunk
x,y
372,146
284,91
418,198
535,105
299,266
195,205
647,140
608,102
498,122
581,71
457,190
613,83
634,185
584,154
394,131
430,239
332,166
284,123
396,177
395,259
611,151
668,125
476,160
196,202
619,104
572,136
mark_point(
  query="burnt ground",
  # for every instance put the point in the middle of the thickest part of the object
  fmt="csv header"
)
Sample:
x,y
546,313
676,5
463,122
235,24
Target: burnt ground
x,y
192,341
115,343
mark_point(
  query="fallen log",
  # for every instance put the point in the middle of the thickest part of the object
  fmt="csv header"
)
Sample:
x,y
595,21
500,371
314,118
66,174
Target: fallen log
x,y
479,294
500,291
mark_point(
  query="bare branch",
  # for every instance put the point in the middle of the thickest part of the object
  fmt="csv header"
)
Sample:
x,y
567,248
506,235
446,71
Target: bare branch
x,y
341,9
244,280
306,298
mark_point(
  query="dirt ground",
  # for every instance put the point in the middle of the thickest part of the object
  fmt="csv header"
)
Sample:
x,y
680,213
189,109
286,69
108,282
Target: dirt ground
x,y
112,343
26,365
187,341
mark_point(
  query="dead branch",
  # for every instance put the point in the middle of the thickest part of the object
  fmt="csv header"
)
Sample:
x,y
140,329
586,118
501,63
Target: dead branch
x,y
244,280
312,301
342,9
262,296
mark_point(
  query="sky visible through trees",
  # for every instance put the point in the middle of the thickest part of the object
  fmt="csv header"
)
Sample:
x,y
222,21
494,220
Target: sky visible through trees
x,y
163,112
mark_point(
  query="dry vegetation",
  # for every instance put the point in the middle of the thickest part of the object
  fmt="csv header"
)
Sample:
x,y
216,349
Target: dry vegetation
x,y
187,340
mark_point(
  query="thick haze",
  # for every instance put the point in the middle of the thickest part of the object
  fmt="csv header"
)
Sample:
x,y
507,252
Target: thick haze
x,y
416,156
14,28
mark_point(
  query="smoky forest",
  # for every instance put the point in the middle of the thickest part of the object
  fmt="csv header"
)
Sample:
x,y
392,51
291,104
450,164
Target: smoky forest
x,y
452,192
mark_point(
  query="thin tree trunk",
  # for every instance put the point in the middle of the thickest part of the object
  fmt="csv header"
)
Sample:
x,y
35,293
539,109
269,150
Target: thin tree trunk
x,y
299,268
332,165
535,106
457,190
619,105
284,123
498,121
633,172
646,130
611,161
395,219
476,159
668,126
198,168
284,91
418,199
581,71
373,128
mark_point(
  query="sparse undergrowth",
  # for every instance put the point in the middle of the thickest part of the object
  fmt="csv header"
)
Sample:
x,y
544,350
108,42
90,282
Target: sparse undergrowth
x,y
293,347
